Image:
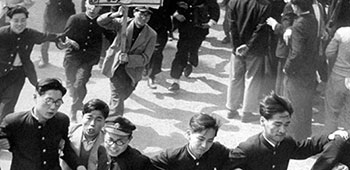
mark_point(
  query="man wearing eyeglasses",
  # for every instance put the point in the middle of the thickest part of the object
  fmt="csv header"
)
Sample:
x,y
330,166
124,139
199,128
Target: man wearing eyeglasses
x,y
117,138
38,137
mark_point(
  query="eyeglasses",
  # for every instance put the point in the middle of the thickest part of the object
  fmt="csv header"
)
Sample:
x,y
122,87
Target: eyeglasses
x,y
118,142
50,101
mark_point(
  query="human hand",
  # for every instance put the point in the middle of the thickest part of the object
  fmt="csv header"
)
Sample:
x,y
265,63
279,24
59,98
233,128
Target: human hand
x,y
209,24
119,13
342,133
272,22
71,43
340,167
287,34
242,50
179,17
123,58
4,144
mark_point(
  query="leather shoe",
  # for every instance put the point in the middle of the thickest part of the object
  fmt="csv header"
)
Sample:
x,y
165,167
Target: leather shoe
x,y
249,117
231,114
188,70
174,87
151,84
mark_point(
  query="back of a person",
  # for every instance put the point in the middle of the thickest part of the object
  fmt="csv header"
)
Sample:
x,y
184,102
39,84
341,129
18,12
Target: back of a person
x,y
342,63
248,16
307,56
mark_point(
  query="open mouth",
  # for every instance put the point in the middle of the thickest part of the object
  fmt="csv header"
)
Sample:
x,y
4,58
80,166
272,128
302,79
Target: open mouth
x,y
91,131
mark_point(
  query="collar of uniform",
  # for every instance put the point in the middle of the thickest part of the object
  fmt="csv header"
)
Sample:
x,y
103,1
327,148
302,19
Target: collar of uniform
x,y
189,152
87,143
88,16
33,115
268,141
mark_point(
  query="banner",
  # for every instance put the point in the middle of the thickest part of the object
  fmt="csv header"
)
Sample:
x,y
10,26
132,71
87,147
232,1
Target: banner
x,y
150,3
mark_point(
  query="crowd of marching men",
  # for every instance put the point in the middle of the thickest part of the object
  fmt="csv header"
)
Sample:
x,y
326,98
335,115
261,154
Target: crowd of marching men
x,y
305,47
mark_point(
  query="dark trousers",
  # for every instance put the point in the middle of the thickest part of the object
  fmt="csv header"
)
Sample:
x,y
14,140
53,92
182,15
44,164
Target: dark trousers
x,y
121,89
190,39
226,25
155,65
51,25
10,89
300,93
77,74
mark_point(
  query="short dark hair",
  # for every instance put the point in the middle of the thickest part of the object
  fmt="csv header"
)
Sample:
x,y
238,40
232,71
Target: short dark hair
x,y
203,121
304,5
96,104
274,104
17,10
50,84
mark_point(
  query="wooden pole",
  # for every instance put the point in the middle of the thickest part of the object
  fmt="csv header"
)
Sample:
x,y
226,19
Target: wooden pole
x,y
123,31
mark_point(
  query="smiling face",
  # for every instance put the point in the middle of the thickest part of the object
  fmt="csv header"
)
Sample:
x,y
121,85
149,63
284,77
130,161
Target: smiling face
x,y
200,142
276,128
48,104
92,123
18,22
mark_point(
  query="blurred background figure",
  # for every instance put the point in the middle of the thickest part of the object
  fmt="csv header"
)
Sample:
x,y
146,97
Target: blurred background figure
x,y
226,23
161,22
195,18
4,4
250,43
56,15
82,29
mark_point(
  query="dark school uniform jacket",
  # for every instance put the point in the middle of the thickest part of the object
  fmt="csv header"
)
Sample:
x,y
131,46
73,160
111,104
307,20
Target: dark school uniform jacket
x,y
130,159
88,34
256,153
179,158
35,146
21,44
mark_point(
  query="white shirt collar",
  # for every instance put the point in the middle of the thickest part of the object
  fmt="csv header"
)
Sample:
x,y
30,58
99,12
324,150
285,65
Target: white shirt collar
x,y
88,143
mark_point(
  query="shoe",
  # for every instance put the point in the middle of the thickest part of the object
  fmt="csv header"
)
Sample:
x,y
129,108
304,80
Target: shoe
x,y
226,40
249,117
151,84
232,114
42,64
174,87
188,70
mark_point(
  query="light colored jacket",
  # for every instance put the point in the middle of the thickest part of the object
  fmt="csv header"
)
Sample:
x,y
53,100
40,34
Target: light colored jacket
x,y
96,160
139,53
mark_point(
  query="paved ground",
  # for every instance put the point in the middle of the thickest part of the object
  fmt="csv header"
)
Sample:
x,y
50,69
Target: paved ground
x,y
162,116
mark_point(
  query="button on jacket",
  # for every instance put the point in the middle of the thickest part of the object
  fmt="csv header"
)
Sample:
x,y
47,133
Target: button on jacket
x,y
34,146
174,159
21,44
256,153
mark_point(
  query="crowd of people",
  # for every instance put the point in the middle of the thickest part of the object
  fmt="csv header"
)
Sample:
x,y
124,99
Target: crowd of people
x,y
290,47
